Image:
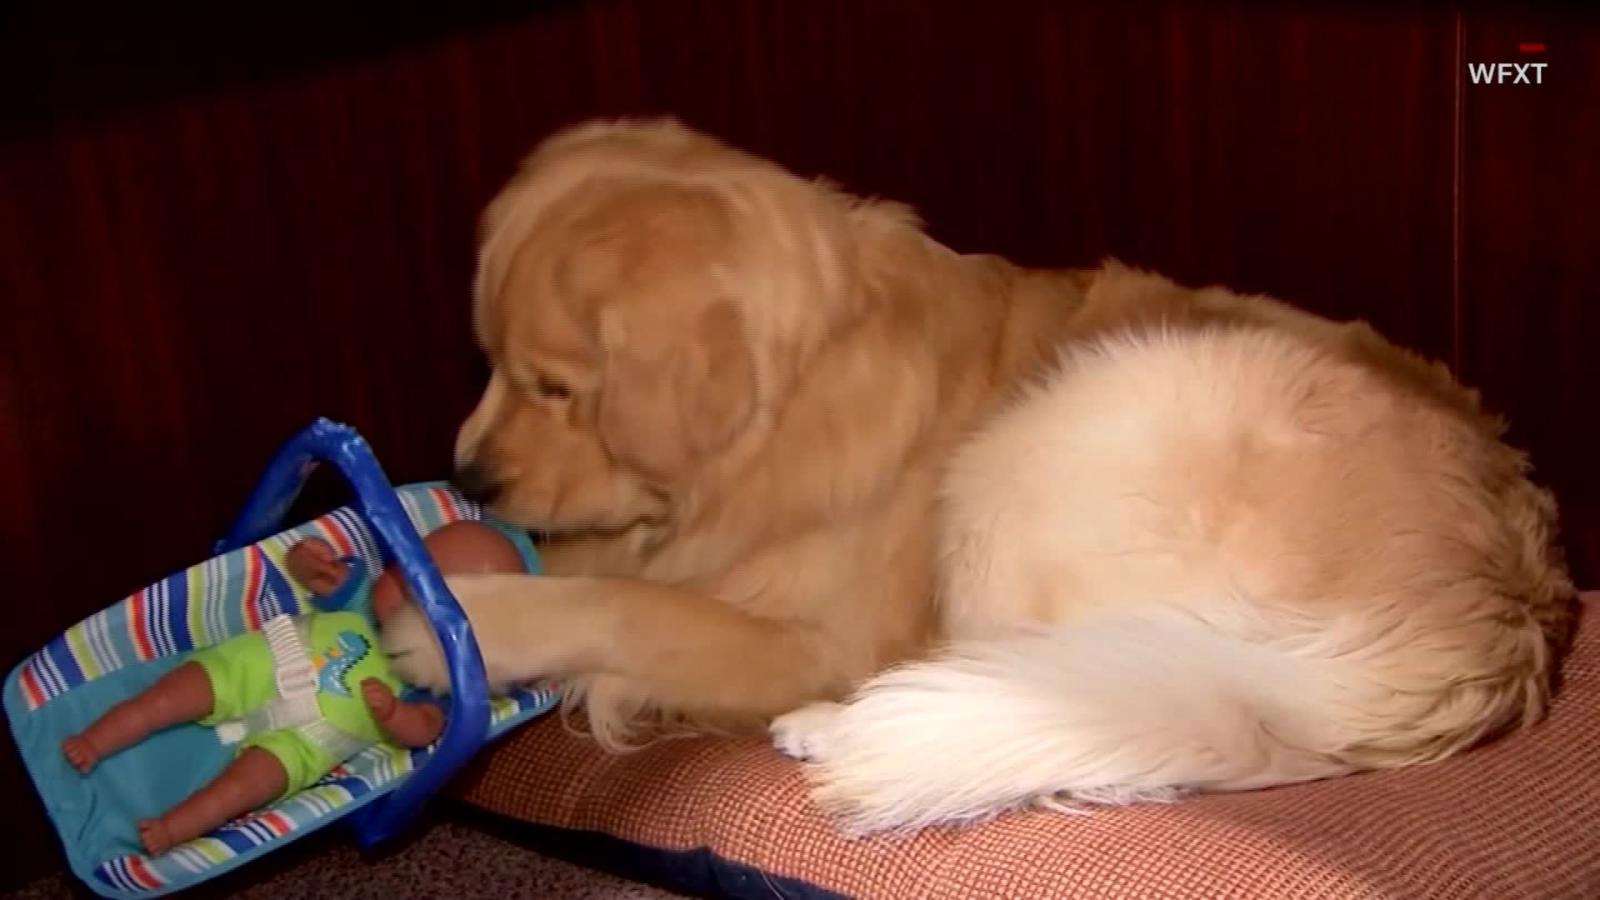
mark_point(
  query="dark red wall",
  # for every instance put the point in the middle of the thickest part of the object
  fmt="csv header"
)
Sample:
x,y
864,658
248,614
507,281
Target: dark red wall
x,y
213,229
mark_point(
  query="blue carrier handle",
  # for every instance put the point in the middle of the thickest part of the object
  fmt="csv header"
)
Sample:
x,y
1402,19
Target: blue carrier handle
x,y
467,726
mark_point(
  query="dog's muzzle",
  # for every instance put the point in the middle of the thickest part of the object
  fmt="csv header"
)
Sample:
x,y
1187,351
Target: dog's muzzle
x,y
477,483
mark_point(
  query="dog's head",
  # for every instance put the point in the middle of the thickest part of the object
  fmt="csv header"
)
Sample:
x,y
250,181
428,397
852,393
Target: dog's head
x,y
645,296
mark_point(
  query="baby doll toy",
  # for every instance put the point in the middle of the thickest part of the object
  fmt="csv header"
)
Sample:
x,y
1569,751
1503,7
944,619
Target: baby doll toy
x,y
298,697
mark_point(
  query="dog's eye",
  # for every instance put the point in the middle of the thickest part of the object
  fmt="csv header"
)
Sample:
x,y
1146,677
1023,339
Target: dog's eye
x,y
550,389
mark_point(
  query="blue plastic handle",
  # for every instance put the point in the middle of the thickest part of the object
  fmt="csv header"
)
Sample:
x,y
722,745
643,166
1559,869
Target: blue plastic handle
x,y
467,726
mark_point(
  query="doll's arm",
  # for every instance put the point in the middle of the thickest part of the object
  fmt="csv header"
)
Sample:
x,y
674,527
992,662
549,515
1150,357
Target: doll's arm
x,y
352,594
406,724
336,582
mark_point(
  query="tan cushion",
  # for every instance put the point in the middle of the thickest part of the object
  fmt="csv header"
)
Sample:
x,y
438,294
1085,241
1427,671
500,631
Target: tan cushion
x,y
1518,818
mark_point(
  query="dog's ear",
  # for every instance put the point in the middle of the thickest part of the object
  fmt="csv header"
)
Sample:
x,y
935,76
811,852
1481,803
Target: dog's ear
x,y
668,403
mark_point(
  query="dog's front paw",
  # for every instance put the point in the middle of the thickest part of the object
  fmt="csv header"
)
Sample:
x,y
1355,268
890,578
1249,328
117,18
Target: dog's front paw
x,y
805,733
413,650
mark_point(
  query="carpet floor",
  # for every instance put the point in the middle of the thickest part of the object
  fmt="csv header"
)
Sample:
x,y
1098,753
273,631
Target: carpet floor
x,y
446,859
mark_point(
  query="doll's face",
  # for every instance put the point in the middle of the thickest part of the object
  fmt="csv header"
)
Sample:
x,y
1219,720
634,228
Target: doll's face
x,y
460,548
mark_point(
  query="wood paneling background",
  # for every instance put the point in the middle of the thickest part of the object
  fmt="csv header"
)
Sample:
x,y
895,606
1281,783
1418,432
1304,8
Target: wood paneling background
x,y
216,225
1528,311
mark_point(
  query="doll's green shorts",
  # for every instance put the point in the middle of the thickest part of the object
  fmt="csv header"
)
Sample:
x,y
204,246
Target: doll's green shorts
x,y
344,652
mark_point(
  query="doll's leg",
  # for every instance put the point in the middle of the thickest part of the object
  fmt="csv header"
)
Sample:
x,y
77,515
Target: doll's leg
x,y
182,695
252,780
315,565
406,724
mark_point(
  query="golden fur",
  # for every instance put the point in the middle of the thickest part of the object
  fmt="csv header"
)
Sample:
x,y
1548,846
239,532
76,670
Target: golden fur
x,y
730,397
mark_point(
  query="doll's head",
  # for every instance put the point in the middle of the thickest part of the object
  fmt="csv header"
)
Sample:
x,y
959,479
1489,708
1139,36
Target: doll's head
x,y
459,548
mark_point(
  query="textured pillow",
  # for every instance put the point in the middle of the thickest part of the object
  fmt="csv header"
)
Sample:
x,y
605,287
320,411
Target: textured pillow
x,y
1517,818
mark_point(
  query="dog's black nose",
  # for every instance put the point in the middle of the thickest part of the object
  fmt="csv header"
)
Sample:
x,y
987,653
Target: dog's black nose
x,y
477,483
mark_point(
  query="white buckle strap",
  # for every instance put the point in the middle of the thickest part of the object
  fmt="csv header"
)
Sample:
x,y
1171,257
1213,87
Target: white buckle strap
x,y
295,679
333,740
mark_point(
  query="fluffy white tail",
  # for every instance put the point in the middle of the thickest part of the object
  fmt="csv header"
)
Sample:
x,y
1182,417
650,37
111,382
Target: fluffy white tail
x,y
1112,712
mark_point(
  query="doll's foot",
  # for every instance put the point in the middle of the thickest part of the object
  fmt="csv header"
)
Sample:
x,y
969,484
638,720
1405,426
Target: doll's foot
x,y
155,837
315,565
381,701
80,753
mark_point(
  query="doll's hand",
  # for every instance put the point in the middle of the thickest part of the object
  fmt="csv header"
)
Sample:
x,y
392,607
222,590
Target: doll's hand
x,y
315,565
381,701
406,724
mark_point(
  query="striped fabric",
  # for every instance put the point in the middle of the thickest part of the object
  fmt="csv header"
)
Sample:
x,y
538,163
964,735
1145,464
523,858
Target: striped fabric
x,y
221,597
207,603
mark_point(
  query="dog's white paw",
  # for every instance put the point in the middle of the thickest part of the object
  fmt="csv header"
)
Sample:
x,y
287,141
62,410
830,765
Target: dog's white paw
x,y
804,734
413,650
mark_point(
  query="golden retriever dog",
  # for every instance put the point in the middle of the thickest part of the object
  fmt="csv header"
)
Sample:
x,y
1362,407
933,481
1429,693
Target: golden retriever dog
x,y
974,536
